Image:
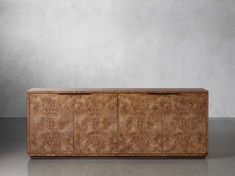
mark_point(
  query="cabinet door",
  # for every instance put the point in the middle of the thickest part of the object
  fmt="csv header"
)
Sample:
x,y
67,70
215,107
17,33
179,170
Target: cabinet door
x,y
50,124
184,124
95,118
139,123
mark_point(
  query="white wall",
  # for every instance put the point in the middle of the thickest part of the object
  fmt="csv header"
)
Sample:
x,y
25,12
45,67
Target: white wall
x,y
117,43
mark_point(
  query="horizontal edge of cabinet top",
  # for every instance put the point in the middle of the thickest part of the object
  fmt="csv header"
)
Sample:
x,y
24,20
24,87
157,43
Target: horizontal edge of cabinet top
x,y
118,90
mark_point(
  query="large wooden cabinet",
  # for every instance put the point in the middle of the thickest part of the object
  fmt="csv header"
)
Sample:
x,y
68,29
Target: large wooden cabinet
x,y
118,122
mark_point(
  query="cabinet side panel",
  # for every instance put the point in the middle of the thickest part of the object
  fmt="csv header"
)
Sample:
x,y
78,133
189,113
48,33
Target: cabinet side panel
x,y
28,120
50,124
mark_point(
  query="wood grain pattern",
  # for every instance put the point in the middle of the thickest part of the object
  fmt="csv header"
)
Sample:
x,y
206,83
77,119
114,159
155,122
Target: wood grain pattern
x,y
95,118
184,124
118,122
139,124
50,124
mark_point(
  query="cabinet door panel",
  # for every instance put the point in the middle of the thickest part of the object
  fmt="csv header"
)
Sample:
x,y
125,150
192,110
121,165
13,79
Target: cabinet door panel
x,y
184,124
50,124
95,118
139,123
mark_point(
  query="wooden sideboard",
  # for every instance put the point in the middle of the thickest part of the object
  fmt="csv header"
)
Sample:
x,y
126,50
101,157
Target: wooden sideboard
x,y
117,122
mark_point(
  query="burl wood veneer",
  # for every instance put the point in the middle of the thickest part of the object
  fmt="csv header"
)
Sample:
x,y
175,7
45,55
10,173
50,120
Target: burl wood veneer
x,y
118,122
95,124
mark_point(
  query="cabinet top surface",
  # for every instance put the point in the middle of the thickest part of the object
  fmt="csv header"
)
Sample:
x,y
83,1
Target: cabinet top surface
x,y
118,90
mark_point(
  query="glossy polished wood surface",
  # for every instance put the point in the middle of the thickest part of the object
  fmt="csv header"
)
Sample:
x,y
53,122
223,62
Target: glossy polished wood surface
x,y
118,122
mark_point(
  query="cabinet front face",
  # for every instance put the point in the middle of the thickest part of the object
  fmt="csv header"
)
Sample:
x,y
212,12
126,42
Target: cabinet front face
x,y
184,124
95,128
139,123
50,124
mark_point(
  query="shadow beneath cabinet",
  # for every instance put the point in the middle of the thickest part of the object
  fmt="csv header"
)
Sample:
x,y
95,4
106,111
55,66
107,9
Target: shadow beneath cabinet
x,y
103,167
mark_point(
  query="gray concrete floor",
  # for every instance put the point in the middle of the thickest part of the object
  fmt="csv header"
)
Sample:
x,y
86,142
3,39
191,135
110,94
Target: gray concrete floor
x,y
15,161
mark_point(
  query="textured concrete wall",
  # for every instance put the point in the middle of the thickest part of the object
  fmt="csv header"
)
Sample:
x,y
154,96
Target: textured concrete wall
x,y
117,43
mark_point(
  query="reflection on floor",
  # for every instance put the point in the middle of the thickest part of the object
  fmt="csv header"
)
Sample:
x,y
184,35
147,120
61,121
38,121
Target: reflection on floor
x,y
15,161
